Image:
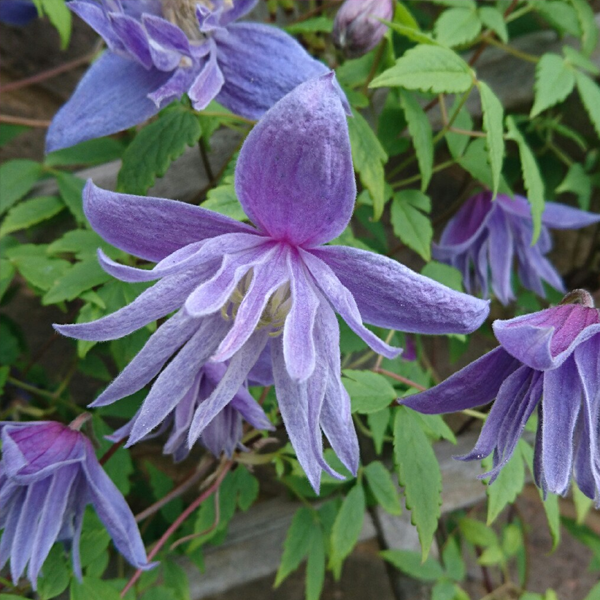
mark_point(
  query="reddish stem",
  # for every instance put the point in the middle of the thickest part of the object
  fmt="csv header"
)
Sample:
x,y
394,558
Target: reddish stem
x,y
400,379
108,454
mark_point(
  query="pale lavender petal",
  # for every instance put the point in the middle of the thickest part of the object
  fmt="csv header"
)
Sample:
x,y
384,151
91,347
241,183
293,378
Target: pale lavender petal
x,y
95,16
150,359
166,34
178,84
80,493
239,9
10,529
262,372
390,295
154,303
208,83
501,255
112,81
475,385
562,403
168,225
251,410
294,176
134,38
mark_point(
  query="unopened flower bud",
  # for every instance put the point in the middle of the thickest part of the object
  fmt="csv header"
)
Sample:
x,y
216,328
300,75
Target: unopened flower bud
x,y
357,28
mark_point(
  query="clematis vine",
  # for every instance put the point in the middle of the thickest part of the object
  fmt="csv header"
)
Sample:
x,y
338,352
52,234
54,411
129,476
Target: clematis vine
x,y
49,473
159,51
549,360
486,236
239,289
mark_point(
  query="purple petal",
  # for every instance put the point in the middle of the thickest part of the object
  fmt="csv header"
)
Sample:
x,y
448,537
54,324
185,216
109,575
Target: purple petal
x,y
166,34
475,385
562,402
152,304
112,96
501,255
96,17
468,223
150,359
251,410
178,84
388,294
239,9
294,176
10,528
134,38
208,83
168,225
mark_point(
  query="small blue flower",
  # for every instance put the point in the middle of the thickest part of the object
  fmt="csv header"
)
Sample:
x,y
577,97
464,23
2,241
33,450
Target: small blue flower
x,y
48,474
486,236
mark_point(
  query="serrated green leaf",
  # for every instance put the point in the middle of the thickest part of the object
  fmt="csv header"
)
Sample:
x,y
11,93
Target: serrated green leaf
x,y
383,488
80,277
346,527
554,81
478,533
17,177
534,184
155,147
577,59
436,428
578,182
92,588
429,69
247,488
412,33
176,579
36,268
457,26
314,25
30,212
223,199
493,19
378,424
403,16
60,17
419,473
369,157
458,142
453,561
445,274
559,14
590,96
410,224
506,487
83,243
92,152
71,189
412,564
369,392
587,23
476,163
493,118
55,574
297,543
315,566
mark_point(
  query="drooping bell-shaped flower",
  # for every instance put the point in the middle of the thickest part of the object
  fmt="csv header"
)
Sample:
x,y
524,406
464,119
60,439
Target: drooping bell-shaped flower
x,y
158,51
486,236
549,360
238,287
357,27
48,474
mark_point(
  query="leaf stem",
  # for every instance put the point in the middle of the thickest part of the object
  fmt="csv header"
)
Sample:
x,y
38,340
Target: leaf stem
x,y
399,378
510,50
9,119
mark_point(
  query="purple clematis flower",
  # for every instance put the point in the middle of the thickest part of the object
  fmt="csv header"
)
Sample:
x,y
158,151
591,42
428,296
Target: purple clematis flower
x,y
550,360
357,27
238,287
224,433
48,474
159,51
485,236
17,12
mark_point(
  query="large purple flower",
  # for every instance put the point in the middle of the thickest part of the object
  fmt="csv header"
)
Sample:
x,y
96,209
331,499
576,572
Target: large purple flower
x,y
160,51
238,287
550,360
48,474
483,239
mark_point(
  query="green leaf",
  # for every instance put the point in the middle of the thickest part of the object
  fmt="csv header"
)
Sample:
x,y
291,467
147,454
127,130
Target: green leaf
x,y
83,243
80,277
578,182
346,527
60,17
17,177
9,132
56,575
554,81
443,273
493,117
428,68
422,137
458,142
369,392
30,212
315,566
403,16
369,157
37,269
594,593
493,19
587,23
419,473
553,516
453,561
507,486
297,543
93,589
378,424
532,178
71,189
412,564
92,152
559,14
161,485
436,428
457,26
176,579
247,488
475,162
512,539
155,147
590,96
413,33
410,224
478,533
579,60
492,555
383,488
223,199
314,25
582,503
4,373
7,273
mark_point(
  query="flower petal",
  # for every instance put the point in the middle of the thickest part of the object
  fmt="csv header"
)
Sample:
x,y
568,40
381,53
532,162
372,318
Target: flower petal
x,y
239,9
168,225
92,112
388,294
501,256
294,175
207,84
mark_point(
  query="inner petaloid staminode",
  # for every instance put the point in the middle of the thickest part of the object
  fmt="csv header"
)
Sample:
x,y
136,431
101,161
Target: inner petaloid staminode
x,y
183,14
274,314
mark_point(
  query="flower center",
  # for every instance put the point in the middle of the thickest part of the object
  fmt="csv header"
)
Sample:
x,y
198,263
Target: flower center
x,y
183,14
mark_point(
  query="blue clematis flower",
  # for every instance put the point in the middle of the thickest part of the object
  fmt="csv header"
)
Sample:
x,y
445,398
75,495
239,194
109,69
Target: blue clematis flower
x,y
17,12
240,289
486,236
48,474
158,51
549,360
